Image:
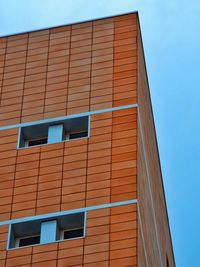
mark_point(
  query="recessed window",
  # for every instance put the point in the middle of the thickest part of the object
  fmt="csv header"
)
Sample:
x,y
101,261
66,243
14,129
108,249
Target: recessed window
x,y
53,132
41,231
73,233
71,227
27,241
36,142
76,135
24,234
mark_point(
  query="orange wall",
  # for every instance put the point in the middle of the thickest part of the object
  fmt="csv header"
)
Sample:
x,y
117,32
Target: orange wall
x,y
68,70
110,241
57,72
69,175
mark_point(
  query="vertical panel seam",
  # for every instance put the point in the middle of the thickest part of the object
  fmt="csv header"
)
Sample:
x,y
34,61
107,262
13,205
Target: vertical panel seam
x,y
88,140
24,81
111,139
46,79
4,65
68,76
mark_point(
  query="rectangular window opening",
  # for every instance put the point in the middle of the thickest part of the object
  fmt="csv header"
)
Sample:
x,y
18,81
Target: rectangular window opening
x,y
24,234
72,227
54,132
27,241
36,142
57,228
72,233
76,135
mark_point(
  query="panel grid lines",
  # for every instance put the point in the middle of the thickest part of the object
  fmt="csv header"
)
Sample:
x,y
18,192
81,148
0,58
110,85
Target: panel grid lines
x,y
87,69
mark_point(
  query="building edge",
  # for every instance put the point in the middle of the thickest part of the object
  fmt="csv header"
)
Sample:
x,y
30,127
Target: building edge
x,y
70,24
154,127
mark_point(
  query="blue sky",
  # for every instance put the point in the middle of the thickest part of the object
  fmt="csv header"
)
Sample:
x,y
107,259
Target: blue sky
x,y
171,36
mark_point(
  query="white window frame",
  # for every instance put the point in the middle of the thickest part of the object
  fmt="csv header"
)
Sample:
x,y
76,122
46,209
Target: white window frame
x,y
17,240
37,139
62,231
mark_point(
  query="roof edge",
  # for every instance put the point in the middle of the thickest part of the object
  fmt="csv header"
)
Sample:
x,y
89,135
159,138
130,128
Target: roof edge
x,y
71,23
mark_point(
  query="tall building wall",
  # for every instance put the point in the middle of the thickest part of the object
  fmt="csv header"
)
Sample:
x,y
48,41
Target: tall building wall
x,y
54,76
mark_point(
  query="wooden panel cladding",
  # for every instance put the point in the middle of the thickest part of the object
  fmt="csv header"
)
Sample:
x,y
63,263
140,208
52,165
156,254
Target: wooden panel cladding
x,y
68,70
151,199
111,240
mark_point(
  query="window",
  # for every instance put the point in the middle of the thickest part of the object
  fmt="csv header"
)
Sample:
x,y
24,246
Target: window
x,y
27,241
53,132
41,231
71,227
36,142
78,135
24,234
73,233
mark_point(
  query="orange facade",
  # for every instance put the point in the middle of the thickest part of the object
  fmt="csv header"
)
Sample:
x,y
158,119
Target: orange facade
x,y
91,68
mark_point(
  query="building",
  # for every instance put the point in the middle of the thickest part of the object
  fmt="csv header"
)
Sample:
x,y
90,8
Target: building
x,y
80,178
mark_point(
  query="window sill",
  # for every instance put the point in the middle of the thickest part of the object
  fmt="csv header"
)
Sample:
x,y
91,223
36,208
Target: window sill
x,y
70,140
57,241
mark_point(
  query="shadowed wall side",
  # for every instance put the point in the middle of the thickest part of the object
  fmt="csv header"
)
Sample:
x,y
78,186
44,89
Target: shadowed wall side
x,y
151,198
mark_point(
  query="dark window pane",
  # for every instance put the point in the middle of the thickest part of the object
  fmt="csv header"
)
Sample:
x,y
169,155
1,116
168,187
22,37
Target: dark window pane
x,y
73,233
27,241
78,135
37,142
